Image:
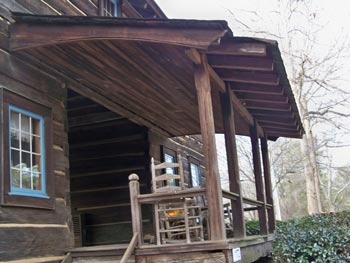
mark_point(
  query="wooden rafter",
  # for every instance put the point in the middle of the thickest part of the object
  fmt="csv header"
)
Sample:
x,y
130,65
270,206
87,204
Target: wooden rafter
x,y
245,63
256,88
248,76
239,49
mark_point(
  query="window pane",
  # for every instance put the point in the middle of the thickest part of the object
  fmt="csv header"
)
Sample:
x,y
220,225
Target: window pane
x,y
25,139
169,159
14,120
36,145
16,181
35,127
14,138
15,159
25,165
36,167
195,175
24,123
26,179
36,181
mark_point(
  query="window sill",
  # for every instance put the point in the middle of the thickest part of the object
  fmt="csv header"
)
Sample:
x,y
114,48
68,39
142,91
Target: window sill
x,y
29,194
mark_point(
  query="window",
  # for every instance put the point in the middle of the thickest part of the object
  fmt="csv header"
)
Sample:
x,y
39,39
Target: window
x,y
169,156
109,7
26,135
195,175
27,148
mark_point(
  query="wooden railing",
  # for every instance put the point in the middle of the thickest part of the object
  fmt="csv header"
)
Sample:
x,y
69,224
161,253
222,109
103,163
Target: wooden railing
x,y
256,204
130,249
137,199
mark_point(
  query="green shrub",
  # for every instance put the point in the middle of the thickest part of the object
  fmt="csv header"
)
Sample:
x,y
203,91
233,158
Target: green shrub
x,y
319,239
252,228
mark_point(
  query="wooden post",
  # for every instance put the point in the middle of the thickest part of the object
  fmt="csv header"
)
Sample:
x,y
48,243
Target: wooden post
x,y
213,187
259,184
268,184
136,216
232,162
101,7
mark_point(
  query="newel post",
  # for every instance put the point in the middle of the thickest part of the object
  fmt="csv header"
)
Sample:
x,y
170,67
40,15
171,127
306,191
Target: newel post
x,y
136,216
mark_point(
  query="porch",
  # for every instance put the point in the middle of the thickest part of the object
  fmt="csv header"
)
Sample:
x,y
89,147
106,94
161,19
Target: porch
x,y
178,77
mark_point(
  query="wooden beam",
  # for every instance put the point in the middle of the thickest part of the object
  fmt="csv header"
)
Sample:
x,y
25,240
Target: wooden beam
x,y
281,129
238,49
268,184
272,98
30,32
259,185
248,77
213,187
129,10
257,89
232,163
268,106
283,120
271,113
244,63
297,135
265,124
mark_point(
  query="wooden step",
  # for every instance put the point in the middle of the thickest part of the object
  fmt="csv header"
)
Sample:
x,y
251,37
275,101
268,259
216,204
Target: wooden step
x,y
99,254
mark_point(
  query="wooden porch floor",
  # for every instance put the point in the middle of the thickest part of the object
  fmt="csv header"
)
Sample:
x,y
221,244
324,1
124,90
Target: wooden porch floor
x,y
252,248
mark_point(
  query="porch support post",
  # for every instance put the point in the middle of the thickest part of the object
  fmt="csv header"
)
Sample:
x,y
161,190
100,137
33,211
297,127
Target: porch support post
x,y
213,186
232,162
268,184
259,184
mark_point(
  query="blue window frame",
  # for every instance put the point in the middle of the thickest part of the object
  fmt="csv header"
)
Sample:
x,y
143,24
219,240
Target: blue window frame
x,y
195,175
27,153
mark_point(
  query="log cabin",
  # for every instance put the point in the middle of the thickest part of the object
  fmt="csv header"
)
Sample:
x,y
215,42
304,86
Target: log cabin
x,y
91,91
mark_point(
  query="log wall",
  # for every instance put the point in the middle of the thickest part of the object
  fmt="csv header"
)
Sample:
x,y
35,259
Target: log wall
x,y
104,149
32,232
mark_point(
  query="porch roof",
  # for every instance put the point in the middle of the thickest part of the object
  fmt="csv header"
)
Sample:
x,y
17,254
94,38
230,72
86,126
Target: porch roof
x,y
143,69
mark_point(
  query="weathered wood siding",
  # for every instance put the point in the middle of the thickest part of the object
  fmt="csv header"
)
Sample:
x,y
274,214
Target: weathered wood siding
x,y
104,149
31,232
133,8
189,147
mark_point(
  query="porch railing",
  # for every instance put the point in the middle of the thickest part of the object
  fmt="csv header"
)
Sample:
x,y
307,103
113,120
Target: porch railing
x,y
254,205
137,200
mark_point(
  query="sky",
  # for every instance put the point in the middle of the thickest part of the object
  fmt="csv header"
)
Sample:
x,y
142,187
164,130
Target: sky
x,y
240,14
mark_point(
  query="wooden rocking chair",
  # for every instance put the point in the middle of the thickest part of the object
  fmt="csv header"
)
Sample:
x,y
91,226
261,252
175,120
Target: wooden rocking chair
x,y
176,220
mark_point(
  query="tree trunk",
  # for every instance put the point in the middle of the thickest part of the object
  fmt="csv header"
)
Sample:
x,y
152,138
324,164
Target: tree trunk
x,y
310,166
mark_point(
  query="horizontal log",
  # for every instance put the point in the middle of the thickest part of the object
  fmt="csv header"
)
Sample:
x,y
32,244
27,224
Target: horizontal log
x,y
272,113
277,120
53,259
10,225
30,32
244,63
27,242
297,135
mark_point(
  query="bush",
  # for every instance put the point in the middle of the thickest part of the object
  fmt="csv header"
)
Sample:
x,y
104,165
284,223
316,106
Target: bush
x,y
319,239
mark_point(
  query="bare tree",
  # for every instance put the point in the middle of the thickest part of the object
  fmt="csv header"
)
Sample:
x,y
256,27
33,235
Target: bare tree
x,y
315,72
